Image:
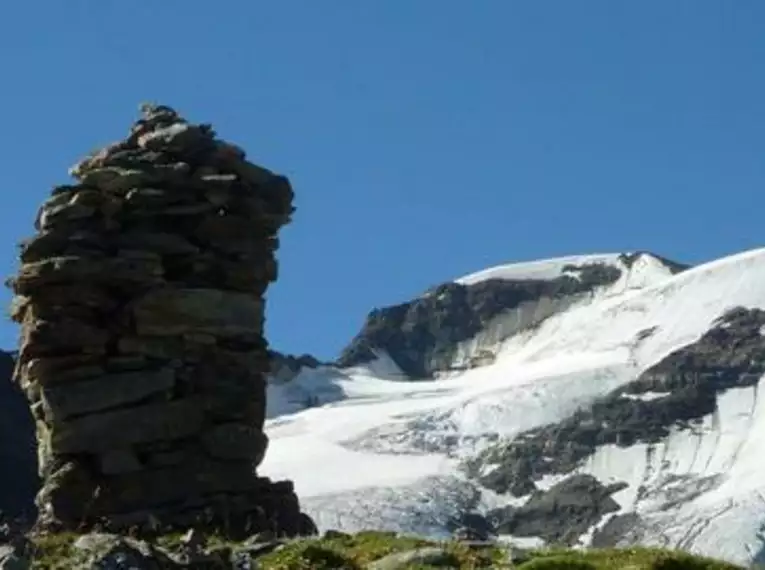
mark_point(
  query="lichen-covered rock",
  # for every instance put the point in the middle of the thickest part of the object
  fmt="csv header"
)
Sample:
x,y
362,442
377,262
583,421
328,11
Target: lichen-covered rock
x,y
142,354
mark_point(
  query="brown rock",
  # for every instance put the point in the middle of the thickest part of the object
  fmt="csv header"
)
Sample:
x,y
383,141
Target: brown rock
x,y
119,461
187,482
178,137
49,371
159,242
119,180
104,392
164,421
236,441
142,354
156,347
144,271
65,492
55,242
52,338
230,234
172,312
66,212
97,160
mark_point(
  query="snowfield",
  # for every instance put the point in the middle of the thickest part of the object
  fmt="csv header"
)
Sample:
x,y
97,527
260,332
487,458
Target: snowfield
x,y
369,448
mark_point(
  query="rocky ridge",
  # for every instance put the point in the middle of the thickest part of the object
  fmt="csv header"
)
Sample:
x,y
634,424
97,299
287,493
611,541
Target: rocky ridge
x,y
142,354
423,336
284,367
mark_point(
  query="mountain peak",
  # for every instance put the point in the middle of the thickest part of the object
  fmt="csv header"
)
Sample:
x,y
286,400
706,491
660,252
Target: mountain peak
x,y
435,331
622,389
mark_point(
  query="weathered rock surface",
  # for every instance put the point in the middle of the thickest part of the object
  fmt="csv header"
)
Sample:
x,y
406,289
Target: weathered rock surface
x,y
561,514
142,354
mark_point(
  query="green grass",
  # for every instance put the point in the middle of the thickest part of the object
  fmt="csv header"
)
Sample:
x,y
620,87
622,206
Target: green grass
x,y
55,552
622,559
354,552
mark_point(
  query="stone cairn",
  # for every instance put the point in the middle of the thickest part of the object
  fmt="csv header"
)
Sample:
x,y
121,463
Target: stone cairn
x,y
142,355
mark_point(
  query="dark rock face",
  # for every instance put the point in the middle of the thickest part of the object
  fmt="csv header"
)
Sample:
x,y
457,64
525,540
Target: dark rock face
x,y
628,259
142,354
472,527
19,481
421,336
561,514
681,388
284,367
616,529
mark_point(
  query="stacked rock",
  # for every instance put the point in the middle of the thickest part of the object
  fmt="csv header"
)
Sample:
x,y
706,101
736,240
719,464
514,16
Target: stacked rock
x,y
142,354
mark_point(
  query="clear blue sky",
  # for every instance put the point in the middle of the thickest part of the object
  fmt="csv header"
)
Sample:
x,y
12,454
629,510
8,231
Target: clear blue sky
x,y
424,138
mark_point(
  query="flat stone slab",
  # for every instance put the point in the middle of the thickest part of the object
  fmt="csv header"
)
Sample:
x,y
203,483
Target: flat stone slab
x,y
172,312
102,432
104,392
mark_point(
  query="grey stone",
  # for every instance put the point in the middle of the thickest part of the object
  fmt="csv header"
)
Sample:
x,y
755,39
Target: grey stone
x,y
141,307
65,212
104,392
160,242
108,430
87,270
473,527
95,541
260,546
119,461
236,441
110,552
178,137
119,180
172,312
561,514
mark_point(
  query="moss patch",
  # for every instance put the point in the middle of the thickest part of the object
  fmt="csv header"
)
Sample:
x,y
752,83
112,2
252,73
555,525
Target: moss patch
x,y
358,550
623,559
53,551
354,552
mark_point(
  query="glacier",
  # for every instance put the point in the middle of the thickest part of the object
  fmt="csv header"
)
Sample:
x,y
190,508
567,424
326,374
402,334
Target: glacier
x,y
370,447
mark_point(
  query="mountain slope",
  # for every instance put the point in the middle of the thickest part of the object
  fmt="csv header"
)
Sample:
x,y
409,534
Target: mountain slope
x,y
598,399
438,331
19,481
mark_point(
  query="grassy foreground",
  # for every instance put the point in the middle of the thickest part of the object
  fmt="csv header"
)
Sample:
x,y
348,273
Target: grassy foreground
x,y
55,552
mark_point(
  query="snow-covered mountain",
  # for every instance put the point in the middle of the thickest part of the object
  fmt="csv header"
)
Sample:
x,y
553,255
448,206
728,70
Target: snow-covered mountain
x,y
600,399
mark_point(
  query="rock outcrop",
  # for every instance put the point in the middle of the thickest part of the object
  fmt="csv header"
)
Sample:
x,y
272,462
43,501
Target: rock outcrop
x,y
676,393
422,336
142,355
561,514
284,367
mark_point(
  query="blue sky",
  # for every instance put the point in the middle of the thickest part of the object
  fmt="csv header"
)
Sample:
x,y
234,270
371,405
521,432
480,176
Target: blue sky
x,y
424,138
